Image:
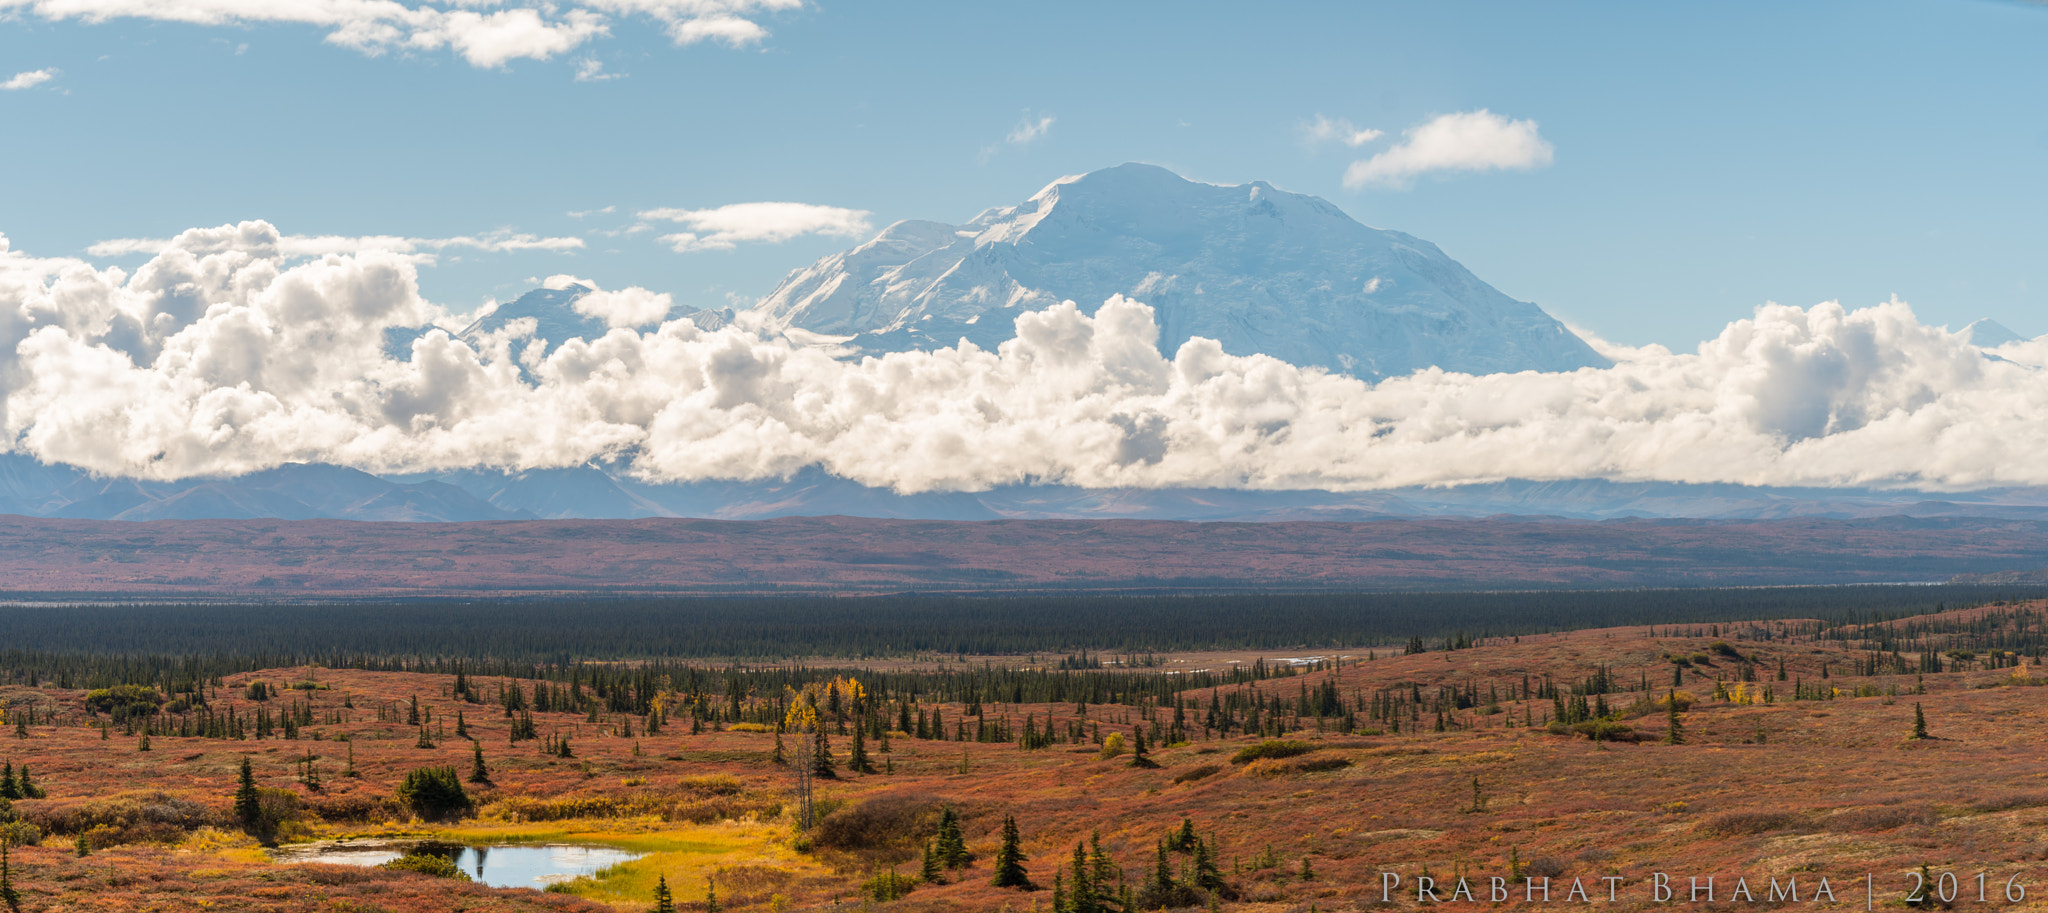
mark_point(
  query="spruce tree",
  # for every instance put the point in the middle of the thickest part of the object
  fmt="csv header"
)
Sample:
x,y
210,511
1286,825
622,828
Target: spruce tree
x,y
933,871
711,897
1010,858
248,803
1674,732
1919,722
1207,876
9,789
1081,889
664,901
1139,757
478,773
857,757
8,895
950,844
1160,891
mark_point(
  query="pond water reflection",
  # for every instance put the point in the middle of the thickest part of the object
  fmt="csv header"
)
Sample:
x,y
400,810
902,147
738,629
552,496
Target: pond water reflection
x,y
500,866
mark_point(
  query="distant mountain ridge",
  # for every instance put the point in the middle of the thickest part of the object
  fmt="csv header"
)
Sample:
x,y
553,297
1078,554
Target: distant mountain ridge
x,y
317,560
295,491
1261,270
303,491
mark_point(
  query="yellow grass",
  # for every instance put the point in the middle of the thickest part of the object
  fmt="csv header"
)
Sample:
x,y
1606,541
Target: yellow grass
x,y
686,854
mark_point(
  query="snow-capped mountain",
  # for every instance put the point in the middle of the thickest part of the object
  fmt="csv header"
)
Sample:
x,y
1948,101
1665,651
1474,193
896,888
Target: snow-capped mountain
x,y
553,311
1989,334
1259,269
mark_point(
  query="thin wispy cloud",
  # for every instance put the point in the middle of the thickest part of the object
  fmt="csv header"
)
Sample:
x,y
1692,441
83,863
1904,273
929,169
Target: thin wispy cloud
x,y
1338,130
726,227
1471,141
29,79
1029,130
485,38
420,250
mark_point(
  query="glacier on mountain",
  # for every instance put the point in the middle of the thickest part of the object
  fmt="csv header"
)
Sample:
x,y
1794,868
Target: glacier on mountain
x,y
1263,271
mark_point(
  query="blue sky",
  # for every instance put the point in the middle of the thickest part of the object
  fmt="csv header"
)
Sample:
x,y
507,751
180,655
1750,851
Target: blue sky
x,y
1706,158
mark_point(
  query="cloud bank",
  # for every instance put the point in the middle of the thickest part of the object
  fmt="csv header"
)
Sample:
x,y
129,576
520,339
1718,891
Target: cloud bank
x,y
222,356
1472,141
486,33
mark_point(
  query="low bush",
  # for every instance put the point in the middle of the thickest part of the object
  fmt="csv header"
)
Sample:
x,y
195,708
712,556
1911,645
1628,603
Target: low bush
x,y
1196,773
723,808
889,828
713,785
1284,767
1871,819
1607,731
145,817
427,864
330,875
352,807
711,808
20,833
1112,745
2005,802
1271,748
124,701
1744,824
888,886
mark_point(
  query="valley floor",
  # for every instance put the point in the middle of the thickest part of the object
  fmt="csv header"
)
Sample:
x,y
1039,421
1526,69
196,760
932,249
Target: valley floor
x,y
1814,784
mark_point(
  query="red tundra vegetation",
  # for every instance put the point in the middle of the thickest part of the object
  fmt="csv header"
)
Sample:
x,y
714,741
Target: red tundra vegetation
x,y
1754,754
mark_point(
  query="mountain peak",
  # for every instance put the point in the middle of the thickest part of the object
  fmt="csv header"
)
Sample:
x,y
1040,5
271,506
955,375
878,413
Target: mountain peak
x,y
1989,334
1259,269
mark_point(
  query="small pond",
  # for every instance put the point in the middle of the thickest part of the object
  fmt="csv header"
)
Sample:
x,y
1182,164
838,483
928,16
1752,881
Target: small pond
x,y
530,865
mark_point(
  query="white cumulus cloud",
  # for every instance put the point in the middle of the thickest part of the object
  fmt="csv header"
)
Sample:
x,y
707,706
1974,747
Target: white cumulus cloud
x,y
628,307
29,79
222,355
486,33
591,69
1471,141
1326,130
725,227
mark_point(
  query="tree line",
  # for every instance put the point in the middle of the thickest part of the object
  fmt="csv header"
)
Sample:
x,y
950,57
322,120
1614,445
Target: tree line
x,y
98,645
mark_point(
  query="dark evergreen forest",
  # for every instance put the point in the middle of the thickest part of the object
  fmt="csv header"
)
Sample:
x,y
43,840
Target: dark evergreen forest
x,y
722,661
564,631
